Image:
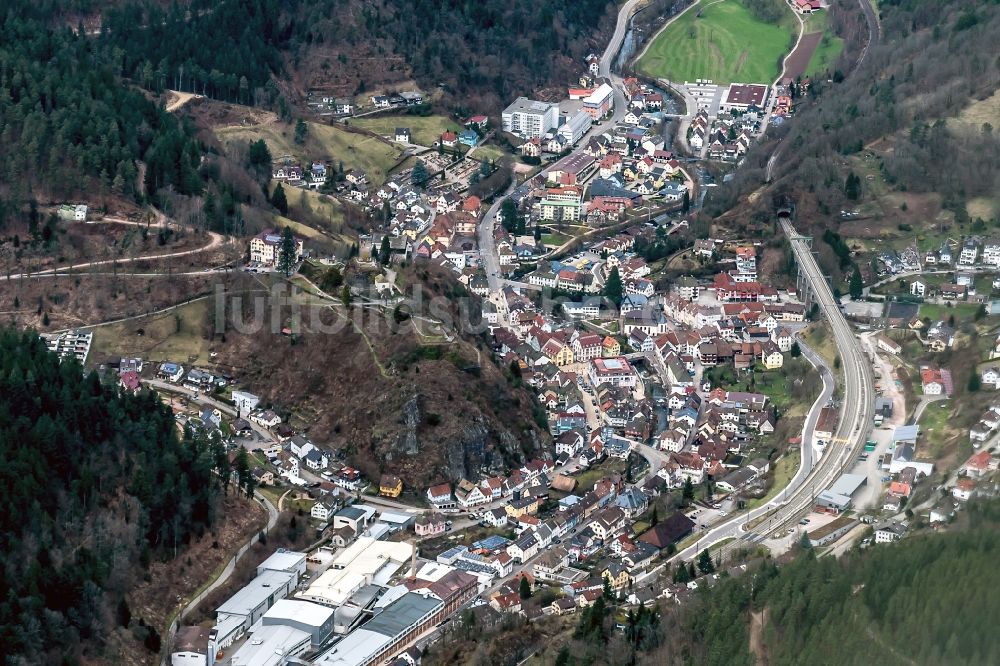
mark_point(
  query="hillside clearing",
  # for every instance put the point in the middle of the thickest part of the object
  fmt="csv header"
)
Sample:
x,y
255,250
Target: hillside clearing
x,y
177,335
424,130
322,143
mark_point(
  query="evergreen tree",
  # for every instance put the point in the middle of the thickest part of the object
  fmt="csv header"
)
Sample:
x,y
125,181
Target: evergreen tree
x,y
705,564
301,130
419,176
278,199
384,251
287,252
857,286
509,216
796,350
687,494
975,381
345,296
852,187
613,289
654,517
524,588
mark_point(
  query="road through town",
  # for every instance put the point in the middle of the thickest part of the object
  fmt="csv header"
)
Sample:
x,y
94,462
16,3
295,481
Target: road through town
x,y
856,415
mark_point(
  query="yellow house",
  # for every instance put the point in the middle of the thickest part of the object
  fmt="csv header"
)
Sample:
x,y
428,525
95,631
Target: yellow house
x,y
390,486
617,575
610,347
557,352
771,356
522,507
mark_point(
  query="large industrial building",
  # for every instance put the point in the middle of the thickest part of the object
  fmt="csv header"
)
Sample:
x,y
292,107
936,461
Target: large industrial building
x,y
575,126
528,118
276,579
401,615
365,562
242,610
838,496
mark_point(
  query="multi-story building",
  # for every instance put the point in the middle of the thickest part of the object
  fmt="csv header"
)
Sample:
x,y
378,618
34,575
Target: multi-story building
x,y
614,371
562,204
575,127
600,101
970,252
746,261
528,118
265,248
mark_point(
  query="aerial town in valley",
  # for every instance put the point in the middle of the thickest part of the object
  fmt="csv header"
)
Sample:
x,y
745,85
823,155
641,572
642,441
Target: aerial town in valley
x,y
647,390
698,394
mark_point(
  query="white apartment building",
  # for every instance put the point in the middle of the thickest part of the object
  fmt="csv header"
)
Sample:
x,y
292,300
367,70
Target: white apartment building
x,y
528,118
562,204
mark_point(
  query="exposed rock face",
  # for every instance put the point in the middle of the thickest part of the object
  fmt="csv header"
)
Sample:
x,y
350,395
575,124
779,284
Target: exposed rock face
x,y
408,442
432,419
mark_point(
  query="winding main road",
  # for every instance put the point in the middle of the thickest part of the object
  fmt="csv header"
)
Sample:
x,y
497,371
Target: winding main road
x,y
734,527
487,245
856,413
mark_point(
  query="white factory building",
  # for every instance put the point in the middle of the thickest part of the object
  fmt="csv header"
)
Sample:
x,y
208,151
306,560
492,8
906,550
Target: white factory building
x,y
575,126
365,562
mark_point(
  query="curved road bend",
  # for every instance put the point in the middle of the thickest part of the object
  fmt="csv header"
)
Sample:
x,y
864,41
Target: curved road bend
x,y
487,247
856,413
734,526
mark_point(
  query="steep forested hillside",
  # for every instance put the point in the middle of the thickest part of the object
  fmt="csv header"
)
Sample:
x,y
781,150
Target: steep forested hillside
x,y
934,59
94,486
491,49
69,125
925,600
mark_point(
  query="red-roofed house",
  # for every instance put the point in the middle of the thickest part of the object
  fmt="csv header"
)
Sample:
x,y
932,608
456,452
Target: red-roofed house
x,y
130,382
449,139
899,489
440,496
472,205
978,464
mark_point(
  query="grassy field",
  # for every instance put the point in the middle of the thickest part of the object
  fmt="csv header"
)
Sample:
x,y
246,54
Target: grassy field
x,y
784,469
424,131
721,42
175,335
829,49
819,338
936,312
936,430
984,208
972,118
585,481
554,240
489,151
323,142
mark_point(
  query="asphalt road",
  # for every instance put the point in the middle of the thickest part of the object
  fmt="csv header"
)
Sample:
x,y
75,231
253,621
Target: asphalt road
x,y
487,247
857,407
856,414
735,526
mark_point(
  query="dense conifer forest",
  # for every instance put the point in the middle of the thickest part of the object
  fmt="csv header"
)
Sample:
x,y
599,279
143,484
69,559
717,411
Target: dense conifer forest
x,y
95,484
70,125
926,600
